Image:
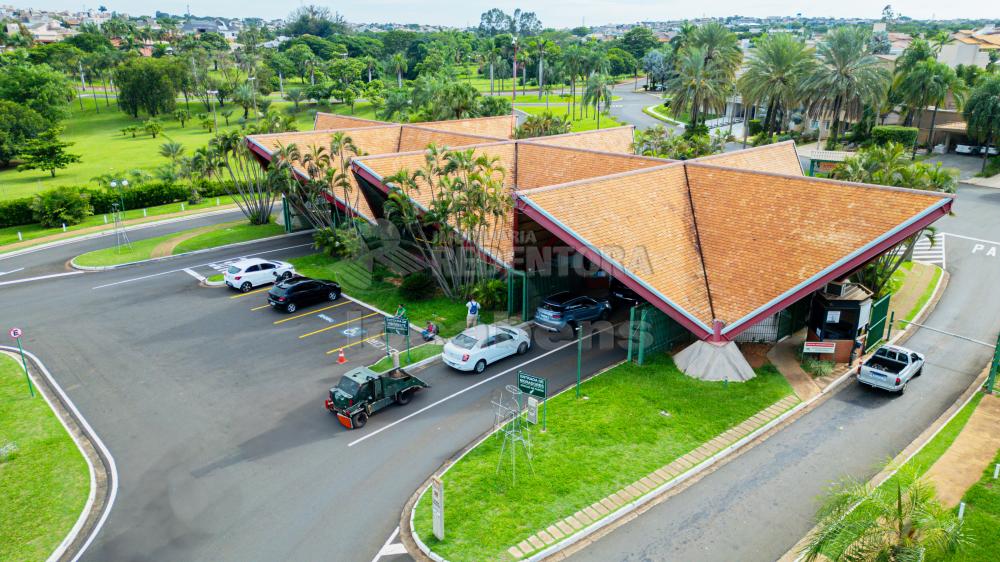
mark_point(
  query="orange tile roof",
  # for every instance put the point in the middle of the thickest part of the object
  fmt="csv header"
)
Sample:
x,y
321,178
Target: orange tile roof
x,y
334,121
540,165
501,127
617,139
418,138
779,158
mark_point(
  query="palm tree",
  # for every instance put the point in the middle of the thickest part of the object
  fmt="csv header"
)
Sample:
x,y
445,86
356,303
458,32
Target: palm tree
x,y
172,150
847,79
982,113
543,125
898,521
775,75
295,96
398,63
698,84
573,59
721,48
598,91
930,83
540,46
370,64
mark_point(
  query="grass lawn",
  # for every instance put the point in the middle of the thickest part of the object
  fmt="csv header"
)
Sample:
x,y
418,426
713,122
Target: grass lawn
x,y
225,233
582,124
925,296
982,517
448,314
44,484
217,278
592,448
418,353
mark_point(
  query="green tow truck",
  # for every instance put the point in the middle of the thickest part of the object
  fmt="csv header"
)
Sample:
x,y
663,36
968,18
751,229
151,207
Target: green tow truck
x,y
361,392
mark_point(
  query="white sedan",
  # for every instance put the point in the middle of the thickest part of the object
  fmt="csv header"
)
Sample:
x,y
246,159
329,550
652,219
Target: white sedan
x,y
479,346
246,274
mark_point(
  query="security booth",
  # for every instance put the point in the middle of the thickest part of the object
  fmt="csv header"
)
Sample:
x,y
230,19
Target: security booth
x,y
839,315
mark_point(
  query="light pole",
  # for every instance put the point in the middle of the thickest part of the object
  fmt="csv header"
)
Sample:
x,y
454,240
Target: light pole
x,y
118,212
211,101
513,73
579,356
252,80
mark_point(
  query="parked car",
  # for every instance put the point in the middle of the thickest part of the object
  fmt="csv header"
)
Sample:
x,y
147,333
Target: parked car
x,y
296,292
246,274
622,296
891,367
569,309
481,345
965,149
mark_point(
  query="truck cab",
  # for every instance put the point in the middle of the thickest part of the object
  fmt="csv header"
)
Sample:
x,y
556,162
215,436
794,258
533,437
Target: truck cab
x,y
361,392
891,367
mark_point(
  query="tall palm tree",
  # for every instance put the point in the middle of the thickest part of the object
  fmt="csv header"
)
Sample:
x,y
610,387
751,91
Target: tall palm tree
x,y
371,63
775,75
720,47
398,63
847,79
597,92
573,59
698,84
982,113
930,83
897,522
540,46
172,150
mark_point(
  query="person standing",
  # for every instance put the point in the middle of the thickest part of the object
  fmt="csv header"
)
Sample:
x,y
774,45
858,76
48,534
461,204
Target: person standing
x,y
472,318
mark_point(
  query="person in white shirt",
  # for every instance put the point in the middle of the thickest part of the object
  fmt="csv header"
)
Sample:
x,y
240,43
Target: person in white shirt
x,y
472,318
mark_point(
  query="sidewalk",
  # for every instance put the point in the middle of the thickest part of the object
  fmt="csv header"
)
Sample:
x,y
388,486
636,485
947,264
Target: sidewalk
x,y
784,357
963,463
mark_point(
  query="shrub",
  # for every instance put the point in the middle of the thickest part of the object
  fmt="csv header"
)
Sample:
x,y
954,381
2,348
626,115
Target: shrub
x,y
16,212
62,205
992,167
417,286
336,242
491,293
885,134
755,127
817,368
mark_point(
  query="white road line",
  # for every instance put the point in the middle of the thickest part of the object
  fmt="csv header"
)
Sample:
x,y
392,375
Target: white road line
x,y
468,388
54,275
199,265
973,239
197,276
11,271
389,549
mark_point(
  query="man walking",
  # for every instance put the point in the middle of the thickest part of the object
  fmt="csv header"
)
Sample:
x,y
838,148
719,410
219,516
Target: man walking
x,y
472,318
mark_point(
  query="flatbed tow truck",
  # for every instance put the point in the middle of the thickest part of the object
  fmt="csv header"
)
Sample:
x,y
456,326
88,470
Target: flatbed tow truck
x,y
361,392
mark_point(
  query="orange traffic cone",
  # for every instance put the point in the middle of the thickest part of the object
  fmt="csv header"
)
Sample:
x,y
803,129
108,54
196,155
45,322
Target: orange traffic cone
x,y
341,358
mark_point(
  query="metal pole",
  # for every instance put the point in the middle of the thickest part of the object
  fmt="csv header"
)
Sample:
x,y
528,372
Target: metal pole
x,y
892,318
992,379
31,389
579,357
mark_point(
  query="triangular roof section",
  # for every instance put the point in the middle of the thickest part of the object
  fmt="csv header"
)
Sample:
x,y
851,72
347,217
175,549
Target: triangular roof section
x,y
324,121
614,139
781,158
541,164
499,127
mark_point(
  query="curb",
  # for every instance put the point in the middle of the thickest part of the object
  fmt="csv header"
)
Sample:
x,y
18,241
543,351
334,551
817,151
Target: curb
x,y
111,232
98,507
75,265
656,115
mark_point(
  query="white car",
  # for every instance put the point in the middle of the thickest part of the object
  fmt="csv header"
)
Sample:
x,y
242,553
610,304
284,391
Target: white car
x,y
246,274
479,346
891,367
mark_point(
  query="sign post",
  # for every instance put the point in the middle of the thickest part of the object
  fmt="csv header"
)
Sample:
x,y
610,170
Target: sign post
x,y
16,334
537,387
398,325
437,507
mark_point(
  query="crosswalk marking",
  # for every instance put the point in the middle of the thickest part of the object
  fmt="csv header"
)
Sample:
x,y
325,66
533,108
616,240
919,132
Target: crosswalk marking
x,y
925,252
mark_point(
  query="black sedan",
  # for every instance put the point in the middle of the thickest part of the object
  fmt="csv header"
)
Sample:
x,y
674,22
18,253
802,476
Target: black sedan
x,y
300,291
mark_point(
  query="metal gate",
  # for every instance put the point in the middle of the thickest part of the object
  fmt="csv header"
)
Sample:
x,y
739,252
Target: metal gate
x,y
651,330
878,326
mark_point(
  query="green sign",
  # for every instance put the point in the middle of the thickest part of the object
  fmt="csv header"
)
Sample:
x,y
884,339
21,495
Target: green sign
x,y
532,385
398,325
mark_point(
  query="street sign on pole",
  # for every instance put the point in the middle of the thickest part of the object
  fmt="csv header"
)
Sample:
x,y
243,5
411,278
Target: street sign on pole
x,y
437,507
532,414
16,333
537,387
398,325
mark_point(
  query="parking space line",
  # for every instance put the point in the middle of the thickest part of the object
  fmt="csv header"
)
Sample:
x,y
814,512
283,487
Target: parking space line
x,y
332,351
260,307
340,324
248,293
290,318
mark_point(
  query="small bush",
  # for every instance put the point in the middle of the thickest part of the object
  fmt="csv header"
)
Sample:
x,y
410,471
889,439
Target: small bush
x,y
16,212
62,205
992,167
885,134
336,242
491,293
755,127
817,368
417,286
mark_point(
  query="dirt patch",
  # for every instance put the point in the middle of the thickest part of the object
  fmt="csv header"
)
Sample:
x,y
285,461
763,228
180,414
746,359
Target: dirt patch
x,y
756,353
166,248
963,463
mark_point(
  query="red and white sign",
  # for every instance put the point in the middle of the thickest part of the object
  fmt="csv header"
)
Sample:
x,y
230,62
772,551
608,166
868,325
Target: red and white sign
x,y
819,347
15,332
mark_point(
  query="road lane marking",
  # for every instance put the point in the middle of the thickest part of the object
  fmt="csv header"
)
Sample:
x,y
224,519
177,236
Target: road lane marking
x,y
332,351
468,388
262,307
290,318
338,325
11,271
54,275
248,293
197,276
991,242
390,549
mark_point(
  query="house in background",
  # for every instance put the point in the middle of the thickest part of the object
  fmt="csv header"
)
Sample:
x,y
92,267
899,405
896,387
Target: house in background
x,y
971,47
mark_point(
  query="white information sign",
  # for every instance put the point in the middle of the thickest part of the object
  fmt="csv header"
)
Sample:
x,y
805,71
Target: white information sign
x,y
533,410
832,316
437,507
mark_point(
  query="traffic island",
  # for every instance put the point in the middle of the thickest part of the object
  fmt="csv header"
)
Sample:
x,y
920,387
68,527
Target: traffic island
x,y
635,432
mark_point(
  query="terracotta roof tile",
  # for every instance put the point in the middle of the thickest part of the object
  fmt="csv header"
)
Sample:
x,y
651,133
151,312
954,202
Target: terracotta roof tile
x,y
333,121
617,139
501,127
418,138
779,158
540,165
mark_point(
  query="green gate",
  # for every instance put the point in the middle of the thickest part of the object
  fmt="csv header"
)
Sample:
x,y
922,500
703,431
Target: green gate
x,y
794,318
651,330
878,326
517,294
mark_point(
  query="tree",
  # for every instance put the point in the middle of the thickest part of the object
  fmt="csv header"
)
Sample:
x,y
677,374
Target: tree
x,y
698,85
930,83
37,87
46,152
302,58
152,126
145,85
982,113
775,74
398,64
662,143
598,92
638,41
899,521
59,206
253,187
847,79
315,20
18,125
658,68
182,116
494,106
172,150
543,125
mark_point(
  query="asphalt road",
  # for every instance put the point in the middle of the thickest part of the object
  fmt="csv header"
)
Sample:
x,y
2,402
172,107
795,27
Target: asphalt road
x,y
214,414
760,505
629,108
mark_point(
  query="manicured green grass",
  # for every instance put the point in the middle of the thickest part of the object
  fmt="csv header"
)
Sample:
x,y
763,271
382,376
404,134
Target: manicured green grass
x,y
418,353
925,296
44,484
592,448
222,234
217,278
229,234
448,314
982,517
580,124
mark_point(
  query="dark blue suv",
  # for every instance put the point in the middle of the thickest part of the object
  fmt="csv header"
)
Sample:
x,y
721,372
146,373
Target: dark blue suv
x,y
569,309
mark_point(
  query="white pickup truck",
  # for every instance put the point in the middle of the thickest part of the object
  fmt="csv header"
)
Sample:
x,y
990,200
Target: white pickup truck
x,y
891,367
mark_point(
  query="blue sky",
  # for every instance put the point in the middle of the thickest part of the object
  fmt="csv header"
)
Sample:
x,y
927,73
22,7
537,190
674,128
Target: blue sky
x,y
553,13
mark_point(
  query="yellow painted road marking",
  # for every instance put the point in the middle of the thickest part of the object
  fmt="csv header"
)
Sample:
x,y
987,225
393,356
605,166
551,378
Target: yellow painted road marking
x,y
332,351
248,293
311,312
260,307
338,325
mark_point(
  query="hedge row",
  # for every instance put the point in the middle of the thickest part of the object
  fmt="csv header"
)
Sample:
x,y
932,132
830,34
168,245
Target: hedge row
x,y
885,134
17,212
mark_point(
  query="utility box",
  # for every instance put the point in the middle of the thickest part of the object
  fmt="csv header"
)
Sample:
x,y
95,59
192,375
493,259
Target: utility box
x,y
840,313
